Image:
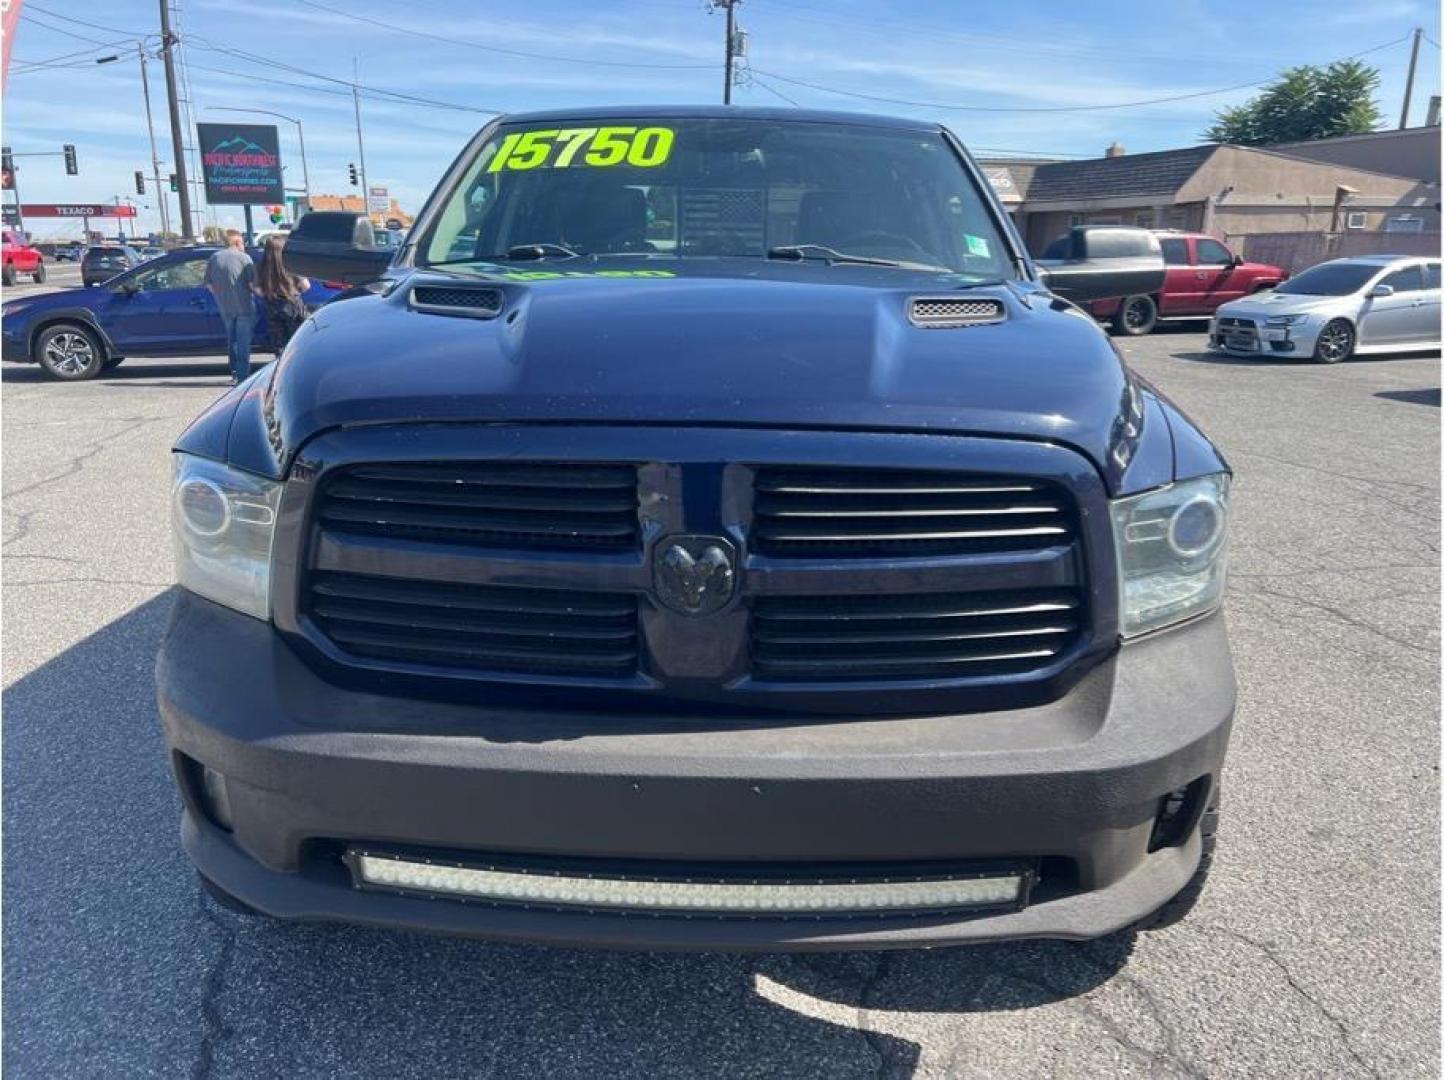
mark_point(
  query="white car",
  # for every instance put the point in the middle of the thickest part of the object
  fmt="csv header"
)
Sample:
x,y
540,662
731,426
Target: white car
x,y
1336,310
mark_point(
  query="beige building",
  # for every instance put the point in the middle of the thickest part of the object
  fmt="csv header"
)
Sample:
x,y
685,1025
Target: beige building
x,y
356,204
1412,152
1229,191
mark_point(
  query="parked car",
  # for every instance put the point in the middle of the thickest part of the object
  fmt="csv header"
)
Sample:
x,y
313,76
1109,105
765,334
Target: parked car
x,y
20,258
160,308
1337,310
103,262
803,584
152,252
1203,272
69,252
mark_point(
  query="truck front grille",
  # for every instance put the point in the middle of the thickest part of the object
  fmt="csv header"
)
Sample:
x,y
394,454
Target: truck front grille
x,y
502,629
887,512
525,505
924,635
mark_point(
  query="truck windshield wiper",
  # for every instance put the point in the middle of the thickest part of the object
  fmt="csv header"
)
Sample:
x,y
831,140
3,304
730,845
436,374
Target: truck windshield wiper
x,y
799,252
517,253
541,251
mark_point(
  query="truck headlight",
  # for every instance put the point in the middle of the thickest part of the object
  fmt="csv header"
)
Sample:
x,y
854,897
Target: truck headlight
x,y
222,521
1172,546
1285,320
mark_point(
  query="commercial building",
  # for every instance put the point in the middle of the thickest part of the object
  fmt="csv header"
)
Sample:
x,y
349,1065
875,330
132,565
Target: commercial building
x,y
1231,191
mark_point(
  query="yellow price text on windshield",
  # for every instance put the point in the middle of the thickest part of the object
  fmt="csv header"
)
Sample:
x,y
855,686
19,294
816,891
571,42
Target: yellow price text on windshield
x,y
597,147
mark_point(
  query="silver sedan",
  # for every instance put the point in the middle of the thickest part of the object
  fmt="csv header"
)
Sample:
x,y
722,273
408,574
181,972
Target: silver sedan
x,y
1336,310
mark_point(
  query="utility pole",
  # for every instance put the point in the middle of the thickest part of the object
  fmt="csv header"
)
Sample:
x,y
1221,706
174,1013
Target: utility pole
x,y
731,46
360,146
167,43
1409,82
154,154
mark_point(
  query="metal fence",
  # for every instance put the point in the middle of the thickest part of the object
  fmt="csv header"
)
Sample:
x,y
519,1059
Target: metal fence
x,y
1296,251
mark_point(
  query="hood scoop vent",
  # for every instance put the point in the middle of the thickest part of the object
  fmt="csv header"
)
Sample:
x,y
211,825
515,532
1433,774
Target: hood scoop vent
x,y
466,301
952,312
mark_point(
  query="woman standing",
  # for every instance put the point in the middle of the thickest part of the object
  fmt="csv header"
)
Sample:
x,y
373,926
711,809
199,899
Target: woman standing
x,y
280,295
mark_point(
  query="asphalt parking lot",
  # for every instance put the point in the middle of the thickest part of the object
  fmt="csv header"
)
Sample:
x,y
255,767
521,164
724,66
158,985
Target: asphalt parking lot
x,y
1314,951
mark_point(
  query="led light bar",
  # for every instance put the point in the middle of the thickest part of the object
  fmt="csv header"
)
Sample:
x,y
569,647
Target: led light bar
x,y
812,897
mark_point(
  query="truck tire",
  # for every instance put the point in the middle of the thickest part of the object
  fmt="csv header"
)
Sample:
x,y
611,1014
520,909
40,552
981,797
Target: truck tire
x,y
39,276
1182,903
70,352
1137,315
8,275
1335,343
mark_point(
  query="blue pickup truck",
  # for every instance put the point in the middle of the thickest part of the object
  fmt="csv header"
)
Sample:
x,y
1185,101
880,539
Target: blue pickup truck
x,y
158,308
709,530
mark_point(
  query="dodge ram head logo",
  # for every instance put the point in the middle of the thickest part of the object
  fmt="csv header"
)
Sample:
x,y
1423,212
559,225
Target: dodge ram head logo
x,y
694,574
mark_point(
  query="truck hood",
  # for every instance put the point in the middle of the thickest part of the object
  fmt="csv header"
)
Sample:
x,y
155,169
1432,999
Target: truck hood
x,y
736,342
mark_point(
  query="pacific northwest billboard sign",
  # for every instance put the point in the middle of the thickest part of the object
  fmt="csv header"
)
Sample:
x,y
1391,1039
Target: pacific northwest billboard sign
x,y
241,163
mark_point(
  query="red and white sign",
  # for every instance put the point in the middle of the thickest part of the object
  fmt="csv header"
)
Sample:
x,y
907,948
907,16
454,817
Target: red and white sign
x,y
80,210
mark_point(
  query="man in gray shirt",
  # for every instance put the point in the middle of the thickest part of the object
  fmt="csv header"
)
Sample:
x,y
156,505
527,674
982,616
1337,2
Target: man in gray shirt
x,y
231,278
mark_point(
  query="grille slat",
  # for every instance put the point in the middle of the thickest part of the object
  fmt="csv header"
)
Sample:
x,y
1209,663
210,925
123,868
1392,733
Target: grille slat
x,y
540,505
478,628
845,512
894,637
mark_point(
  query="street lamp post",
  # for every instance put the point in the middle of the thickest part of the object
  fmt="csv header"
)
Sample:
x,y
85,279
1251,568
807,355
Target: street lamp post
x,y
150,127
300,137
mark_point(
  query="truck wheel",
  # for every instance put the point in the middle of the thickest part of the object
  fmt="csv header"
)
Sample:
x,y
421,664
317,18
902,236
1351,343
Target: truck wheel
x,y
1136,316
1182,903
1336,342
225,899
8,275
39,276
70,352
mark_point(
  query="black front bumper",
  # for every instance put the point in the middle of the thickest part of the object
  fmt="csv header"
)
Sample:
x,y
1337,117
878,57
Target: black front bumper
x,y
1074,786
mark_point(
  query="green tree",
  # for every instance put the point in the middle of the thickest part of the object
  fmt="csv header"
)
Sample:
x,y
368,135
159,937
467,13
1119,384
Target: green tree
x,y
1306,102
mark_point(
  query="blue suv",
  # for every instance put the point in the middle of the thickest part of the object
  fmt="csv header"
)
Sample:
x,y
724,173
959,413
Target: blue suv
x,y
160,308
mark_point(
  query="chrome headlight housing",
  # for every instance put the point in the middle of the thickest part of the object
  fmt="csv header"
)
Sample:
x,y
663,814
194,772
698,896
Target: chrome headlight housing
x,y
222,521
1172,547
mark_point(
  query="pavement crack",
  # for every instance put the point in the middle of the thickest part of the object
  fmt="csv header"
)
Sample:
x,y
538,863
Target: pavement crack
x,y
887,1066
214,1029
1273,957
88,581
75,464
1344,617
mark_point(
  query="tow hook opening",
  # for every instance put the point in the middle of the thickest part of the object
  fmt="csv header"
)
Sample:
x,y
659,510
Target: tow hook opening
x,y
1178,814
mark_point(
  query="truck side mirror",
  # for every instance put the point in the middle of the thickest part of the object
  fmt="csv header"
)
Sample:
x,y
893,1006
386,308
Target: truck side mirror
x,y
336,245
1100,262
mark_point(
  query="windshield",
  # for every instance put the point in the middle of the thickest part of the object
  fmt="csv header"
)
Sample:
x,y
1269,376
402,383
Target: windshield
x,y
696,188
1330,279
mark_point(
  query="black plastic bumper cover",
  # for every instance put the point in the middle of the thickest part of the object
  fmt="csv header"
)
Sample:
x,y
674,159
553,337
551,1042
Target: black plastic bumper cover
x,y
1077,782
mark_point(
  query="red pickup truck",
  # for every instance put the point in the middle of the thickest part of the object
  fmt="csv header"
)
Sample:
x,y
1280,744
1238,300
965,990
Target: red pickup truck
x,y
20,258
1202,274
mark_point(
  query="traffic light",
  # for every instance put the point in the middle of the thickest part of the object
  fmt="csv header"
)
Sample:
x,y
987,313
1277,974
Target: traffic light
x,y
174,183
7,170
71,169
139,182
354,179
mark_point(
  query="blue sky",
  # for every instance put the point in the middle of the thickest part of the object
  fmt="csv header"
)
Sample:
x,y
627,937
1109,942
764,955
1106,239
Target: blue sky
x,y
1024,55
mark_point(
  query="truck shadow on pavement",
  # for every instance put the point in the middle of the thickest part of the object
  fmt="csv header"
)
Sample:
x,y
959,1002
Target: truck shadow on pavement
x,y
116,964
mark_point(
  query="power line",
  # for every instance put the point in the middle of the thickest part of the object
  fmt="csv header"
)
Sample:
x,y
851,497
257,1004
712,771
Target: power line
x,y
752,77
373,91
948,107
495,48
79,22
1431,41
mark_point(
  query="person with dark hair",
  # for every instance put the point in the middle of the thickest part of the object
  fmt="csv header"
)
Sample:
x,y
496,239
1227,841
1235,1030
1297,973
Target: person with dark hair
x,y
280,295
